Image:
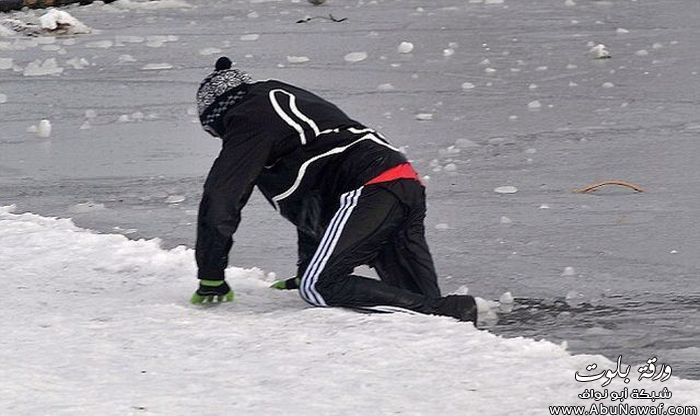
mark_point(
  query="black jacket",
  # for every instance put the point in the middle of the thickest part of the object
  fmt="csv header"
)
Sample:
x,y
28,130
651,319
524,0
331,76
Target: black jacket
x,y
301,151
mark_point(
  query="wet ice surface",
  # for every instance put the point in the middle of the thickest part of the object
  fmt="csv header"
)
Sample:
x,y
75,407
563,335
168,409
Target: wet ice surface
x,y
634,290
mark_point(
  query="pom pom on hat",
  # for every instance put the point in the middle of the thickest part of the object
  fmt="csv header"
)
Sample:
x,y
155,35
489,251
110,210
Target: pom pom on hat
x,y
223,63
220,91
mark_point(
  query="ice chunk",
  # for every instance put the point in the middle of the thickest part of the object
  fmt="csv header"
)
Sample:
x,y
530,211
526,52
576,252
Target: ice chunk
x,y
86,125
506,298
569,3
442,226
467,86
405,47
46,40
490,70
487,316
450,167
250,37
3,98
44,129
600,51
608,85
78,63
448,52
544,206
385,87
209,51
356,56
424,116
126,58
297,59
569,271
451,150
100,44
37,68
534,105
507,189
150,5
642,52
506,221
124,118
175,199
156,41
622,31
6,63
157,66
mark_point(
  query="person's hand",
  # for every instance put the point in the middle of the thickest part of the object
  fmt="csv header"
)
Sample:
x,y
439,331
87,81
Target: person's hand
x,y
289,284
212,291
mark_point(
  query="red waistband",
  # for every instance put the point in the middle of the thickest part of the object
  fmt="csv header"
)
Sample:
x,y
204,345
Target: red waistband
x,y
402,171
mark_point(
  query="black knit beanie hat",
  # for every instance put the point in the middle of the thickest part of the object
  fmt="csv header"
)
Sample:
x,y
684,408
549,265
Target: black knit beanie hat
x,y
219,91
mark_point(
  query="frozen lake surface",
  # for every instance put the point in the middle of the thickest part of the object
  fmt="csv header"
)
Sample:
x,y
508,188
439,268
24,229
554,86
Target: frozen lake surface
x,y
490,95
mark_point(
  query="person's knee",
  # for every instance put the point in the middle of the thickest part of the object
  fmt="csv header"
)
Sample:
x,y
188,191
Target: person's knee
x,y
309,292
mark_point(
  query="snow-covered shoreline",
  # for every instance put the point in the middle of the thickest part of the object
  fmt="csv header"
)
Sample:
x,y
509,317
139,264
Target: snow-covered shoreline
x,y
99,324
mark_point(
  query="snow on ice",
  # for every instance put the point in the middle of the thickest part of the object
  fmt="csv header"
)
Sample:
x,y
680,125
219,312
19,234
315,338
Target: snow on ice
x,y
569,271
157,66
405,47
44,129
104,299
600,51
6,63
297,59
507,189
38,68
250,37
356,56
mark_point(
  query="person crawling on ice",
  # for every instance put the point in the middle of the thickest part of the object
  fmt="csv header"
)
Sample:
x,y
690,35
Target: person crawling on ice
x,y
353,197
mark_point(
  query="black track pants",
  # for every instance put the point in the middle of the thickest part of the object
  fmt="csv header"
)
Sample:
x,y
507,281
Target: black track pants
x,y
380,225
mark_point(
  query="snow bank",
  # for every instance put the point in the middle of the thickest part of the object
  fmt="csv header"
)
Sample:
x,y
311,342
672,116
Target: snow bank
x,y
99,324
60,20
53,22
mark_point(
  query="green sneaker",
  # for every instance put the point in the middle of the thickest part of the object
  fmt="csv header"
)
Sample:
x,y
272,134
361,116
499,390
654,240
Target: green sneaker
x,y
289,284
212,291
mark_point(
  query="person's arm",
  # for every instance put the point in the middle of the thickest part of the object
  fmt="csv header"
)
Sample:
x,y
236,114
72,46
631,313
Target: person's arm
x,y
306,247
226,191
307,244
